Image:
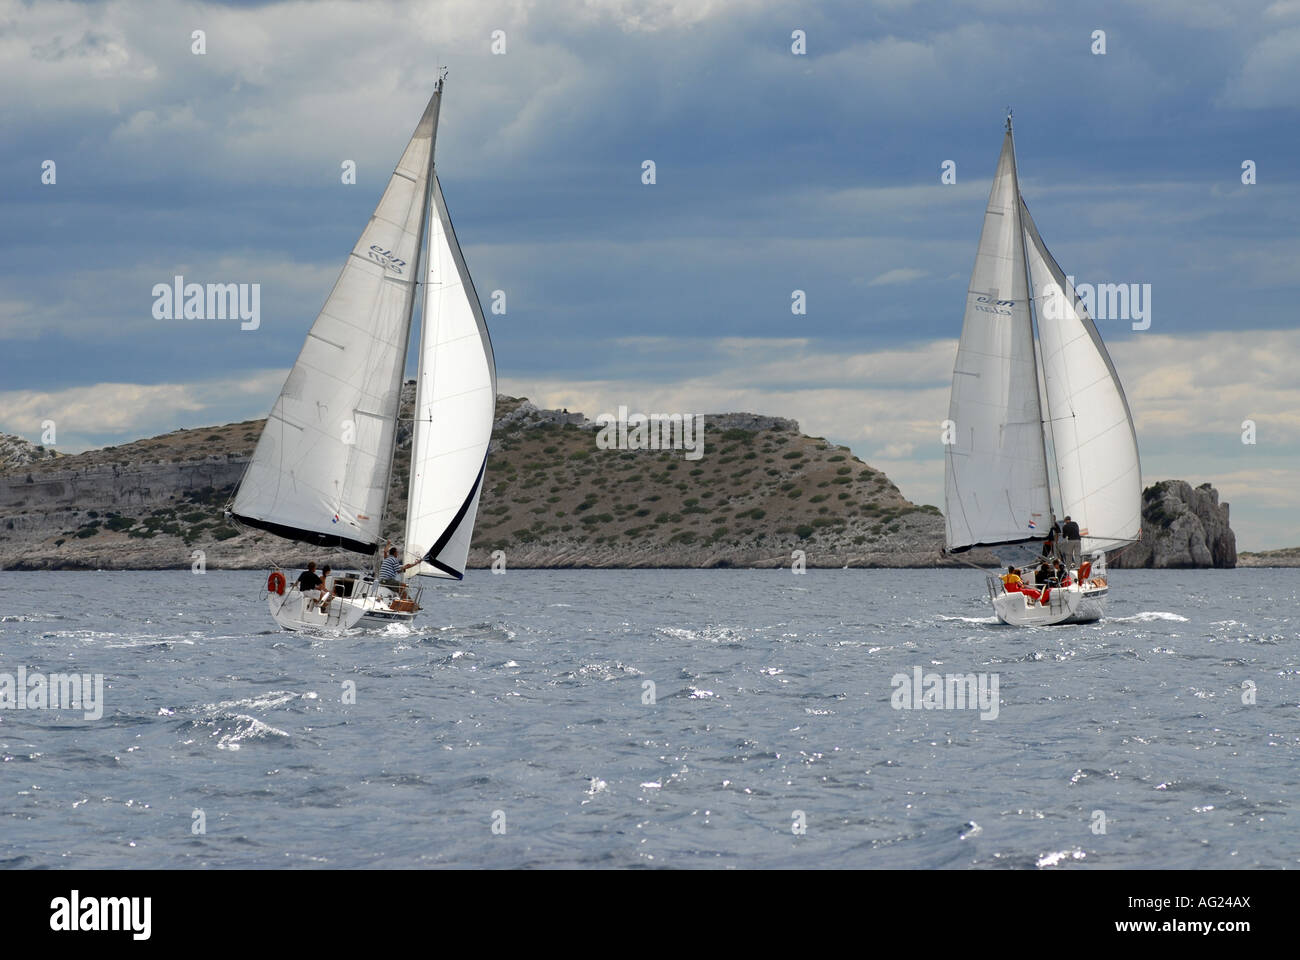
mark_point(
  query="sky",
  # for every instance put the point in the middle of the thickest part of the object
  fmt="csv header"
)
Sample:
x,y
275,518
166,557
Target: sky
x,y
774,172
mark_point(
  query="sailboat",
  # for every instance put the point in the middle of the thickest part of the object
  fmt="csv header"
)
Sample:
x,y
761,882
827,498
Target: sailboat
x,y
321,471
1014,396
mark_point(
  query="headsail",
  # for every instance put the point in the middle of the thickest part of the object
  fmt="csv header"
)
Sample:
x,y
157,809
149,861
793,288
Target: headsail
x,y
1098,471
455,404
321,469
996,483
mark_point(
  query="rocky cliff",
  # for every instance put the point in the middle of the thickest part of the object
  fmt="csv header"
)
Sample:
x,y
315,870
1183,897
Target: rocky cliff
x,y
16,452
551,498
1182,526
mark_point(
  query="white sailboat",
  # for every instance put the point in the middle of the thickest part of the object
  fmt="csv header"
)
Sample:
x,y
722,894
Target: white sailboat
x,y
1013,395
322,467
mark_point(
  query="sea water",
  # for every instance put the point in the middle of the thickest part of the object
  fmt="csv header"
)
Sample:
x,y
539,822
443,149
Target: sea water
x,y
654,718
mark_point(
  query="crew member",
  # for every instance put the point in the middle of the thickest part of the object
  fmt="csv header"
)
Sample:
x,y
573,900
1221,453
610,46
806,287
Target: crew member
x,y
307,580
1070,544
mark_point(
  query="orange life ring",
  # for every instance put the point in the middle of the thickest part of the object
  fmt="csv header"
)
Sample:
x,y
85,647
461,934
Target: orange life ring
x,y
1084,570
275,583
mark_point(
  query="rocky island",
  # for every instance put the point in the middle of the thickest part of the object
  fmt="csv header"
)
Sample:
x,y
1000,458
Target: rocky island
x,y
762,494
551,498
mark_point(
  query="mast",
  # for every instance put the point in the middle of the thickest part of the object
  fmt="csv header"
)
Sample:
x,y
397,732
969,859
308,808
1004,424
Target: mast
x,y
421,256
1045,414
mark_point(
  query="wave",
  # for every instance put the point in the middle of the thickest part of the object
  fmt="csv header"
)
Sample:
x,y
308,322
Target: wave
x,y
1146,616
713,633
274,698
248,728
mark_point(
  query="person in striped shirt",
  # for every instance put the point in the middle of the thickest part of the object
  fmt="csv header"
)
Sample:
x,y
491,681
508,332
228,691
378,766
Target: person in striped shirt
x,y
390,572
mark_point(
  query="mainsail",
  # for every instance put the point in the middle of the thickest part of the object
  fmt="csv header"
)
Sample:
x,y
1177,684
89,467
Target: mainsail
x,y
996,483
1097,467
321,469
455,401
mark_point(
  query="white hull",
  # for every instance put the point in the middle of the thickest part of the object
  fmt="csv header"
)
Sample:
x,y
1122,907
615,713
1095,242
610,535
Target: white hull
x,y
1072,604
378,612
296,610
357,603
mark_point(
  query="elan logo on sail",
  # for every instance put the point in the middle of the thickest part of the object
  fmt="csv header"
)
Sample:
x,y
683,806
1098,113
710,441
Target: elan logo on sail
x,y
954,691
386,258
179,300
655,431
989,305
1103,301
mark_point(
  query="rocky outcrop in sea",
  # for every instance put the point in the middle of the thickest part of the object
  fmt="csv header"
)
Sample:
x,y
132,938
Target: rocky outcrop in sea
x,y
1182,526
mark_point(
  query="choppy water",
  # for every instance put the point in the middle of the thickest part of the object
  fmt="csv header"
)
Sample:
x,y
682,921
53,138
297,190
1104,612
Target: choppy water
x,y
519,701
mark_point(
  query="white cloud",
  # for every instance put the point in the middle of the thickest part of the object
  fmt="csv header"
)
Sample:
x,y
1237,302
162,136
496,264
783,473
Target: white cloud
x,y
900,275
1270,76
89,416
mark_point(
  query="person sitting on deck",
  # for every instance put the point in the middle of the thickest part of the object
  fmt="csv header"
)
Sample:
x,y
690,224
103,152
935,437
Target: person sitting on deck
x,y
307,580
326,590
1011,580
1043,575
1062,575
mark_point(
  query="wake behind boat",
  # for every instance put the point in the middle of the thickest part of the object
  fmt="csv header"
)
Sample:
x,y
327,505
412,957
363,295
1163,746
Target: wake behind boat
x,y
322,467
1013,397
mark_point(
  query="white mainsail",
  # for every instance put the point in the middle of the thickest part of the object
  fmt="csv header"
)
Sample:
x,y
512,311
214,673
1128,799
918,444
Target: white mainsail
x,y
996,482
321,469
455,402
1098,472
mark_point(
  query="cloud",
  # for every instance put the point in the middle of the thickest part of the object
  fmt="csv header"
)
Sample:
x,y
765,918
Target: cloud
x,y
91,416
900,275
1270,76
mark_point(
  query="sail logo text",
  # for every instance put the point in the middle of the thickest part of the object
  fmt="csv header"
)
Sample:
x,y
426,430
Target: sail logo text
x,y
58,691
386,258
989,305
73,913
655,431
179,300
955,691
1103,301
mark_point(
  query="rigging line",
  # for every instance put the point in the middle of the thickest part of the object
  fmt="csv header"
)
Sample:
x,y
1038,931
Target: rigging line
x,y
961,501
